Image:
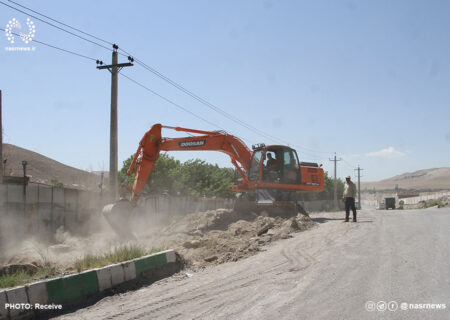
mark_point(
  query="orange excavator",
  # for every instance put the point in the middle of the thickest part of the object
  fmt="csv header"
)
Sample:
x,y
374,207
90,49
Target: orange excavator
x,y
270,176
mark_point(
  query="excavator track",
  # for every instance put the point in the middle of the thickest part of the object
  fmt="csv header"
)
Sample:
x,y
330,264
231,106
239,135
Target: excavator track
x,y
269,202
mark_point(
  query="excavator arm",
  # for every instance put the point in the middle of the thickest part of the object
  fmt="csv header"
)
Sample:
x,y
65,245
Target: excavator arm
x,y
152,143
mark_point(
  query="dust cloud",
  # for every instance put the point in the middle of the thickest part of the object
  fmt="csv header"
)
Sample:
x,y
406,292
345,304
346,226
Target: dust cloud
x,y
202,238
24,241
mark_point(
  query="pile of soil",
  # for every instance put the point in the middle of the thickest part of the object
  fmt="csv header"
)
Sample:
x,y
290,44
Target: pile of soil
x,y
223,235
202,239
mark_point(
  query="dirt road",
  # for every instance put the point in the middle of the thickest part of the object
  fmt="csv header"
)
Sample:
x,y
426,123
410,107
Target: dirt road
x,y
328,272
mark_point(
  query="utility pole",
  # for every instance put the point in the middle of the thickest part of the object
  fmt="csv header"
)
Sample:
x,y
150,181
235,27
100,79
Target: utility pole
x,y
114,68
101,184
1,141
24,166
335,160
359,186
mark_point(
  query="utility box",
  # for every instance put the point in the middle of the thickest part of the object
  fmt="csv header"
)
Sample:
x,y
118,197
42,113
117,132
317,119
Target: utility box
x,y
389,203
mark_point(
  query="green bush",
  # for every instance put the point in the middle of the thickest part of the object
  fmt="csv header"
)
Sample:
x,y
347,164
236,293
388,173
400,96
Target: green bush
x,y
193,177
118,254
21,277
434,202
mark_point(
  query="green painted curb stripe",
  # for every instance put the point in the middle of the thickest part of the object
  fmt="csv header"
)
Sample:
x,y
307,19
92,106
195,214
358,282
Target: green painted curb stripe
x,y
72,288
150,262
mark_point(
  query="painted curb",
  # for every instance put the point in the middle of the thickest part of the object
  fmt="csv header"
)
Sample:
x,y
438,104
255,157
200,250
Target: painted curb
x,y
3,311
15,296
37,292
74,288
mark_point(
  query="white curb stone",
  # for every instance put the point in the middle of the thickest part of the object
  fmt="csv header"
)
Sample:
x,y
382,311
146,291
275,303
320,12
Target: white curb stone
x,y
37,293
18,296
3,311
171,256
129,270
117,275
104,278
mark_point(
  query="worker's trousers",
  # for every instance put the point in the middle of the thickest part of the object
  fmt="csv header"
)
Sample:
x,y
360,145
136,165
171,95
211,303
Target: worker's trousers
x,y
350,204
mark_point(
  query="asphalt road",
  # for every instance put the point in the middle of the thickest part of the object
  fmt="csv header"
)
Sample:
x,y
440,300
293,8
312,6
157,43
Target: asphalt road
x,y
329,272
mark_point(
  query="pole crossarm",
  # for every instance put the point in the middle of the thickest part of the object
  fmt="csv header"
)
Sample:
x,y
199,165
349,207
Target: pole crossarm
x,y
118,65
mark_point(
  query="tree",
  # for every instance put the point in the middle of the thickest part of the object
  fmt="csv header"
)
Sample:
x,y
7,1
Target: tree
x,y
194,177
56,183
199,178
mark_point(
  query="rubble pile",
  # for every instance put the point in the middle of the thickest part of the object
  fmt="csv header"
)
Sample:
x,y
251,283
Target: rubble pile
x,y
223,235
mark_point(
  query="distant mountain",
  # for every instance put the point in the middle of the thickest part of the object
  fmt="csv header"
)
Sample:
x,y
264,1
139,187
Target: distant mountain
x,y
42,169
427,179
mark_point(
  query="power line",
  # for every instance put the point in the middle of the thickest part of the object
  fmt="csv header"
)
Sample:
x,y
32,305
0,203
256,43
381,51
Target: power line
x,y
162,76
214,107
55,26
55,47
137,61
61,23
220,111
348,164
170,101
201,100
68,51
177,105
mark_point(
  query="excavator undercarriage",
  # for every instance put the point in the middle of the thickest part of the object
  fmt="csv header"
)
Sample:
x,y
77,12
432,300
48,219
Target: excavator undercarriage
x,y
270,202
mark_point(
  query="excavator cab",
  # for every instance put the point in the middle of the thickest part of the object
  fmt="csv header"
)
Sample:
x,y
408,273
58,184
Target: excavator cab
x,y
279,167
275,176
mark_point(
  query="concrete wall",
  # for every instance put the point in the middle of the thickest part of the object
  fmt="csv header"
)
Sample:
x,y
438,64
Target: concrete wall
x,y
369,204
416,200
182,205
321,205
41,209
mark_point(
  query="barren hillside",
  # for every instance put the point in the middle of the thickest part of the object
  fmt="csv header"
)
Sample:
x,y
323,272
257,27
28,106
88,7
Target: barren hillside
x,y
434,179
42,169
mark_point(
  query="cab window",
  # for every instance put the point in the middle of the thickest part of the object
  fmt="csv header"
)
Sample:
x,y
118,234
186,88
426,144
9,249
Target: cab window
x,y
290,159
255,165
291,172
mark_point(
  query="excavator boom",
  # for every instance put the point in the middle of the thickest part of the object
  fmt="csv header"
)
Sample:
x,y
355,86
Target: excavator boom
x,y
152,144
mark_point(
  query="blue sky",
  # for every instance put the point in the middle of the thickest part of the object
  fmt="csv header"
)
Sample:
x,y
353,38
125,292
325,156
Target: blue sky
x,y
365,79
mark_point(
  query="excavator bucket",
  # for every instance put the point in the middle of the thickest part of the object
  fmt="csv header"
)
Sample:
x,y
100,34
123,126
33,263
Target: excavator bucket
x,y
118,216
